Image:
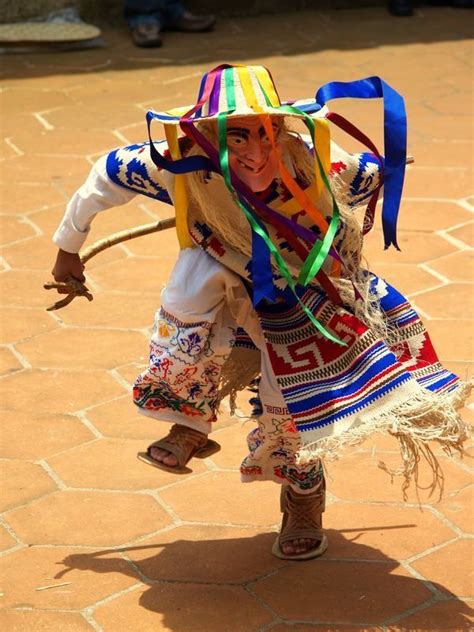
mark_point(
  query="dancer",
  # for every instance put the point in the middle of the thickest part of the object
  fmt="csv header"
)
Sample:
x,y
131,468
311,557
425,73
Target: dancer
x,y
269,289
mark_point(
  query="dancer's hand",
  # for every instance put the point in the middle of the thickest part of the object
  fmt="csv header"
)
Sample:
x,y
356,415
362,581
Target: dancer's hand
x,y
68,264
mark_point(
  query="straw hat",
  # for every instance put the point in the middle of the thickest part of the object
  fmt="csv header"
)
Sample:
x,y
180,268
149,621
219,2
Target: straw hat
x,y
38,32
236,91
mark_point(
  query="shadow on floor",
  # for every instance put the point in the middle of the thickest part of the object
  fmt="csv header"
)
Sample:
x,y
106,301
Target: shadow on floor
x,y
235,40
190,580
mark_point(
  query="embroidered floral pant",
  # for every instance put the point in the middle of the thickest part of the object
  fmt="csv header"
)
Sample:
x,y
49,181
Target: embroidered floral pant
x,y
193,334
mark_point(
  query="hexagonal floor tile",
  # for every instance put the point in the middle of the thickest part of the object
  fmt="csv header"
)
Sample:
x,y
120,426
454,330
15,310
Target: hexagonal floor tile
x,y
362,531
9,363
407,277
221,497
24,620
6,540
19,323
453,339
108,309
456,267
14,228
200,553
443,567
442,215
464,234
52,391
121,419
415,248
363,469
458,509
445,615
234,445
29,436
22,482
451,301
80,348
33,196
163,243
80,467
303,627
87,518
341,592
144,274
20,289
92,575
425,183
183,607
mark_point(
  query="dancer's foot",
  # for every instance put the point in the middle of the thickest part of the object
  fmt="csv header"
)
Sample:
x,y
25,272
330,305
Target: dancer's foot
x,y
173,452
297,546
301,536
187,439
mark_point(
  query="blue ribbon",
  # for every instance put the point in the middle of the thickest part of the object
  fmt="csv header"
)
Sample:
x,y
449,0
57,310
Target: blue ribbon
x,y
395,140
183,165
262,277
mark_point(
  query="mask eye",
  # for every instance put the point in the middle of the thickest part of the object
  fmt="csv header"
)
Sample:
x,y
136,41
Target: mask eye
x,y
263,135
236,141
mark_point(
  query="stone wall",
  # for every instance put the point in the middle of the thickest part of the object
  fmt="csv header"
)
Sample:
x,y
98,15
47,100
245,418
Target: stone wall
x,y
111,10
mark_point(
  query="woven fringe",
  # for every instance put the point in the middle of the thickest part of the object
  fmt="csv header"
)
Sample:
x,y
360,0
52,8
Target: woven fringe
x,y
241,367
420,420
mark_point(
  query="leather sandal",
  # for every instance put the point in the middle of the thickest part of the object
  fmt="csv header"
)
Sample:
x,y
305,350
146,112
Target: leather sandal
x,y
184,443
302,518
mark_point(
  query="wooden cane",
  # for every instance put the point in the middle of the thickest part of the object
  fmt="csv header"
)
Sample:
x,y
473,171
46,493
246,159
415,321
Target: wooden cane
x,y
76,288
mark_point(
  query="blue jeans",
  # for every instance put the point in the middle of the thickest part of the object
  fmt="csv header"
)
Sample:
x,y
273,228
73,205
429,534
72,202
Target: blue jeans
x,y
161,12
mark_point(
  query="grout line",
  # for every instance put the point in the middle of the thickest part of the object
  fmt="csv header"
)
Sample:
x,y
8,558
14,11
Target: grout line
x,y
435,273
52,474
91,621
465,204
4,514
460,245
83,419
118,378
415,609
42,121
23,361
192,75
121,138
89,611
169,510
11,144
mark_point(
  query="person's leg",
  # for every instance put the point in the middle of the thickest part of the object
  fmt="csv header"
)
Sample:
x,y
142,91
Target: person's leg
x,y
400,8
274,446
145,12
146,19
178,18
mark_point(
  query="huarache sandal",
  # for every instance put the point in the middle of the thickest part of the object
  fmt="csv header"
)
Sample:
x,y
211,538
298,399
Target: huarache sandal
x,y
184,443
302,518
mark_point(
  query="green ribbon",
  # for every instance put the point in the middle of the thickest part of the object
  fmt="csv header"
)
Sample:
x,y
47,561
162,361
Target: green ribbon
x,y
283,269
320,250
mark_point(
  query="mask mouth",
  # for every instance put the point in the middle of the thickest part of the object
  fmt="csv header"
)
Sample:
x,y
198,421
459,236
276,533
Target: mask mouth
x,y
252,169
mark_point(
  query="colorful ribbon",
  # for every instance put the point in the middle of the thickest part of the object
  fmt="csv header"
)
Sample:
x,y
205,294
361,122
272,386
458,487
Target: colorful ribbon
x,y
395,141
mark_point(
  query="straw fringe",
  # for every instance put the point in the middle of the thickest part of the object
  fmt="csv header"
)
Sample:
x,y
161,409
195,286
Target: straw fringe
x,y
241,367
421,419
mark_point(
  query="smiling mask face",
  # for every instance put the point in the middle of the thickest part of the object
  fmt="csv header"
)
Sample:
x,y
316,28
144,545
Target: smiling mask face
x,y
250,152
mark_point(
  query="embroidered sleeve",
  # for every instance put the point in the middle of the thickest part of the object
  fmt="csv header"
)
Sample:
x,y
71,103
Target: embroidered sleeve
x,y
132,168
355,176
113,180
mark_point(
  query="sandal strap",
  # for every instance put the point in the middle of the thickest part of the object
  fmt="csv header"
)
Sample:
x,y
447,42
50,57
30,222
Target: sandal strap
x,y
302,514
181,442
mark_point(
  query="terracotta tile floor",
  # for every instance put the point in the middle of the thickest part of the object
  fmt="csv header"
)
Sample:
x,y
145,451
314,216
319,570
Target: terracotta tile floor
x,y
125,547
